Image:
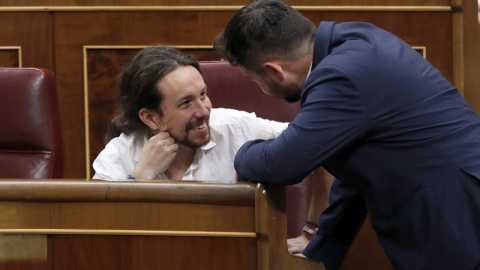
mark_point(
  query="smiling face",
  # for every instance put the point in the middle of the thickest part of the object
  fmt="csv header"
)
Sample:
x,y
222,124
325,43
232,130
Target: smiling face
x,y
185,107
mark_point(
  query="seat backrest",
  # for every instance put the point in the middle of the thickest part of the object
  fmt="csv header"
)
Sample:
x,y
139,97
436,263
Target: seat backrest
x,y
30,134
228,88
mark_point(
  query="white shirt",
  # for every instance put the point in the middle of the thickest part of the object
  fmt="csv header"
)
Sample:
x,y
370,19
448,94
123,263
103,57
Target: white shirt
x,y
229,130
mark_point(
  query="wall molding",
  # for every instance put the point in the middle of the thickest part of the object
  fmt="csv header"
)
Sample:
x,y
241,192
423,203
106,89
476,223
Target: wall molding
x,y
219,8
13,48
423,49
128,232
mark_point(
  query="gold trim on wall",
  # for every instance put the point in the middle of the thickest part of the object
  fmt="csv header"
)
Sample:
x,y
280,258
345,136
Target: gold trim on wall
x,y
12,48
85,87
458,47
423,48
85,109
222,8
129,232
128,47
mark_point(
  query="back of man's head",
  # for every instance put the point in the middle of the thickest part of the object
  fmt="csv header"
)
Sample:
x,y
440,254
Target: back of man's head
x,y
265,30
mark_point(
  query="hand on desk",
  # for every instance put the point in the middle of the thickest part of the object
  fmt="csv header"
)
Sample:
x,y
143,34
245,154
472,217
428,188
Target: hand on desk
x,y
297,245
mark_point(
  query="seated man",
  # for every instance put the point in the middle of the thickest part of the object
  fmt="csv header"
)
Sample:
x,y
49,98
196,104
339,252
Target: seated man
x,y
167,128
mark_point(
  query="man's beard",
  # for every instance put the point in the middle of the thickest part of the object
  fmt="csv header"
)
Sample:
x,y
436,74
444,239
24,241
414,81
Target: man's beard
x,y
292,97
189,142
290,93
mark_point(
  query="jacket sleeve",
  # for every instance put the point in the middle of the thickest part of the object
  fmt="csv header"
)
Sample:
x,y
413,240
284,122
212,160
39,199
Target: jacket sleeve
x,y
330,119
338,226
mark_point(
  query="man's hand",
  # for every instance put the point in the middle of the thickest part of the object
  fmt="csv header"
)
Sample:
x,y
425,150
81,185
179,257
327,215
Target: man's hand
x,y
297,245
156,156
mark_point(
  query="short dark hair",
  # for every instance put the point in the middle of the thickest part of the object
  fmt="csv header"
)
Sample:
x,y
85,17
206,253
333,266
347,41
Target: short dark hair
x,y
264,30
137,86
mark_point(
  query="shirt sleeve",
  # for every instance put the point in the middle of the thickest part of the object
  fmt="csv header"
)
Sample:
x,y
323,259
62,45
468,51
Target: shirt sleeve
x,y
338,226
264,129
330,119
107,167
112,163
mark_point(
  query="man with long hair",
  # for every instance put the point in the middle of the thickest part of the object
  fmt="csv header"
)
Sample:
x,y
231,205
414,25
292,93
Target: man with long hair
x,y
167,128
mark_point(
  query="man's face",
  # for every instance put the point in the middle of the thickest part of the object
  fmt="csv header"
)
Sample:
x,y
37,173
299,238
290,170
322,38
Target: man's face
x,y
289,91
185,106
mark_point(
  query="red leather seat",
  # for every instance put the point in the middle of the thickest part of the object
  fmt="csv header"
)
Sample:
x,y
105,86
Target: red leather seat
x,y
228,88
30,134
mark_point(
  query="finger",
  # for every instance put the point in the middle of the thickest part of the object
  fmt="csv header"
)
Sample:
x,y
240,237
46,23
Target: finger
x,y
173,148
168,141
294,250
162,135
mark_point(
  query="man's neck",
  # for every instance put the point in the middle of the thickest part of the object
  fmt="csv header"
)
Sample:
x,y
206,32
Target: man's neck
x,y
181,163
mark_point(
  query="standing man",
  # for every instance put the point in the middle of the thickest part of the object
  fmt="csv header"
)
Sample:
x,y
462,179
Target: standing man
x,y
401,141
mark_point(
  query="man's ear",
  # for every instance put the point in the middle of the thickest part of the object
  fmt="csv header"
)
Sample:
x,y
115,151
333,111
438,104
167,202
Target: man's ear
x,y
149,118
274,70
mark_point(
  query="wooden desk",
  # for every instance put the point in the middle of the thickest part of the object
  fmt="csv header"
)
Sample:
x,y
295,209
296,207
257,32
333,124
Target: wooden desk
x,y
143,225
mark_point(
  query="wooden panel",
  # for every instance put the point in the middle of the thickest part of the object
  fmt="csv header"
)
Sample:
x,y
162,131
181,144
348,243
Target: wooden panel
x,y
23,252
122,28
127,216
272,245
100,209
152,252
470,42
103,68
432,30
33,32
10,57
131,205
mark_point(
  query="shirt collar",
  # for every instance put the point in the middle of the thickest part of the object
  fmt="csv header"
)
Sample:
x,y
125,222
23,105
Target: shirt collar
x,y
309,71
211,144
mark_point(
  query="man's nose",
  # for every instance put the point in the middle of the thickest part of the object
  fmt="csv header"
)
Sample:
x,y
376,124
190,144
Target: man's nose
x,y
201,110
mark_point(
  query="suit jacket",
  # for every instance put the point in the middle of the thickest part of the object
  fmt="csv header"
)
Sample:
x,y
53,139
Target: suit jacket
x,y
403,144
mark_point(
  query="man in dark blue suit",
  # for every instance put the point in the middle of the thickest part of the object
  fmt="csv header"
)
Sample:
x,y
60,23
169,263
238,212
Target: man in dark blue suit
x,y
401,141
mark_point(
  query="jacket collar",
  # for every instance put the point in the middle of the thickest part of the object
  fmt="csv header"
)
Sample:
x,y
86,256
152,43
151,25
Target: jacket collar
x,y
322,42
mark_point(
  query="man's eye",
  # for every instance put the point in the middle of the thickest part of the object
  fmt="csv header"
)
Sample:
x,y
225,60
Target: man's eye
x,y
185,104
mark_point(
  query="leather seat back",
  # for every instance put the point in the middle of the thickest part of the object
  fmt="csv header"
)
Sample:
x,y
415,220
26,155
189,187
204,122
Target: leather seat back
x,y
30,134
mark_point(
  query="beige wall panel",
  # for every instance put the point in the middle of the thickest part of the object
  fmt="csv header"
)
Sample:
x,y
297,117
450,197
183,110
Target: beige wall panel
x,y
23,252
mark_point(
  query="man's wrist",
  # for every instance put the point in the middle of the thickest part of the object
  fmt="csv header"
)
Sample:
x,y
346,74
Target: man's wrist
x,y
310,229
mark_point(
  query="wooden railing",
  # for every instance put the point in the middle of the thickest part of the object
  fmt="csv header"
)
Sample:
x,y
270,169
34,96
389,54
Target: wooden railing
x,y
73,225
